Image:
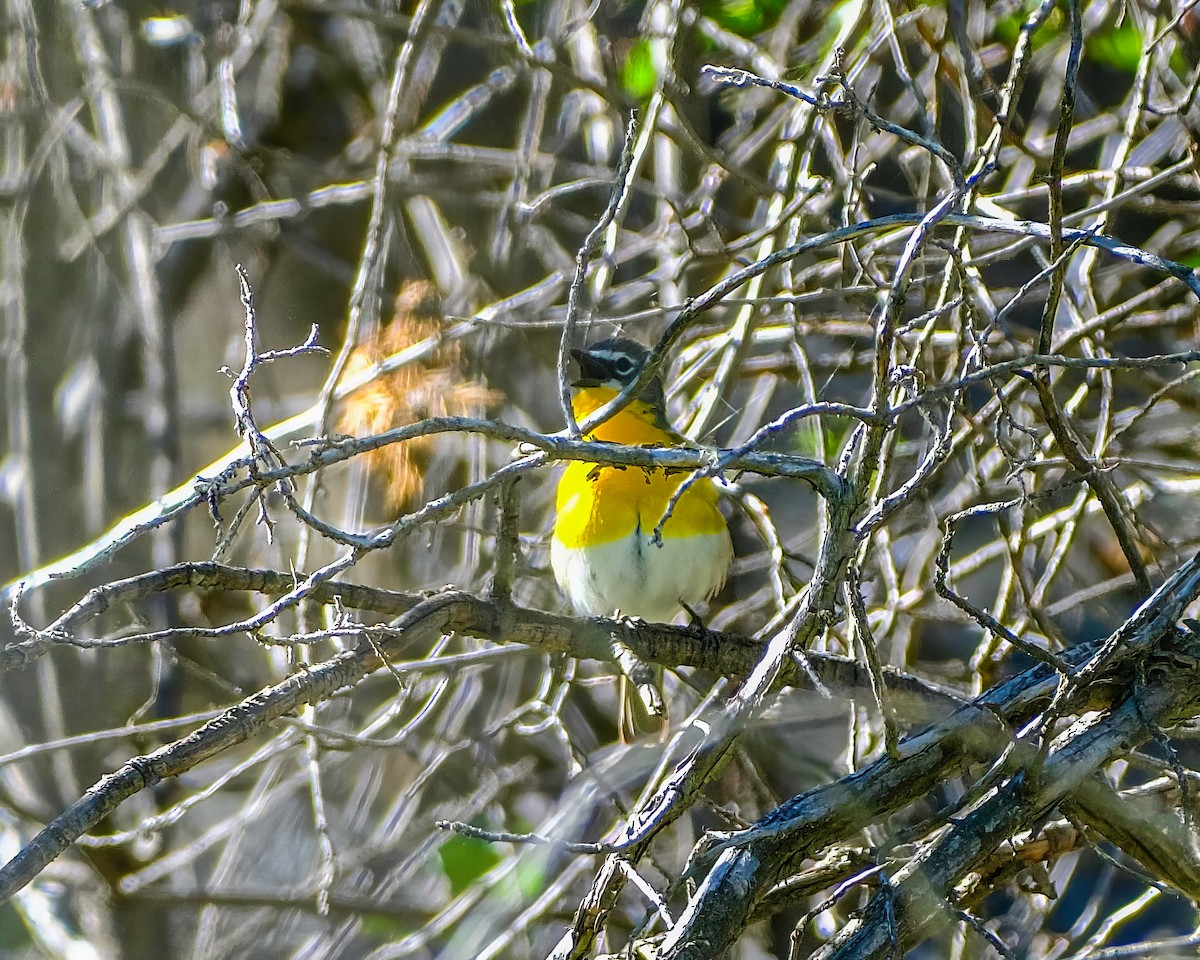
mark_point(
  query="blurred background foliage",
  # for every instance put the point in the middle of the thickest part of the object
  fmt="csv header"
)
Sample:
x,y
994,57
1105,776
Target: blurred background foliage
x,y
148,147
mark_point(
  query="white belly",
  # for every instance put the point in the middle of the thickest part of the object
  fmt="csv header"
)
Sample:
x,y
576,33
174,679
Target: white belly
x,y
640,579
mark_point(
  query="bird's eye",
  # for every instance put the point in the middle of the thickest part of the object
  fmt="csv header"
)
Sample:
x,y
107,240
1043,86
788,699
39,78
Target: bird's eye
x,y
622,366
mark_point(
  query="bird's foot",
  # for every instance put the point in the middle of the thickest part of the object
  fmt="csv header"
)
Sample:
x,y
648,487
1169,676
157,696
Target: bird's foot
x,y
695,623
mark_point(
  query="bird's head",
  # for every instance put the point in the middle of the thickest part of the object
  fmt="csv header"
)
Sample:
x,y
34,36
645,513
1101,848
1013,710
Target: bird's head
x,y
615,363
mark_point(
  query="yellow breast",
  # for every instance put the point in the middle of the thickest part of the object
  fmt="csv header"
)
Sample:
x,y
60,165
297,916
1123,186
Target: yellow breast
x,y
598,505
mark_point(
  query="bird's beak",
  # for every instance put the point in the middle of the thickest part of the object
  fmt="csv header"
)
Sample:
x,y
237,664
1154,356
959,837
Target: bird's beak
x,y
591,370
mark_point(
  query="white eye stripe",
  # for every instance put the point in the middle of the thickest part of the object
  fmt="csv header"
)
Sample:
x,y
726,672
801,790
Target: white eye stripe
x,y
621,362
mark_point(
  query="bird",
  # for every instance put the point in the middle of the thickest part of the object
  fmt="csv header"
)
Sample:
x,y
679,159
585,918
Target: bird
x,y
603,552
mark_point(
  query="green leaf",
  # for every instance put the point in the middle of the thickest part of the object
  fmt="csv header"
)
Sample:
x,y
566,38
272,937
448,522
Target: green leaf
x,y
1191,259
13,935
531,877
743,17
1008,29
385,928
1179,63
638,75
465,860
1120,47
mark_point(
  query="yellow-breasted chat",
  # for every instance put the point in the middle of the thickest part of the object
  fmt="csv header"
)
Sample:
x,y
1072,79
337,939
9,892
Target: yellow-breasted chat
x,y
603,552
